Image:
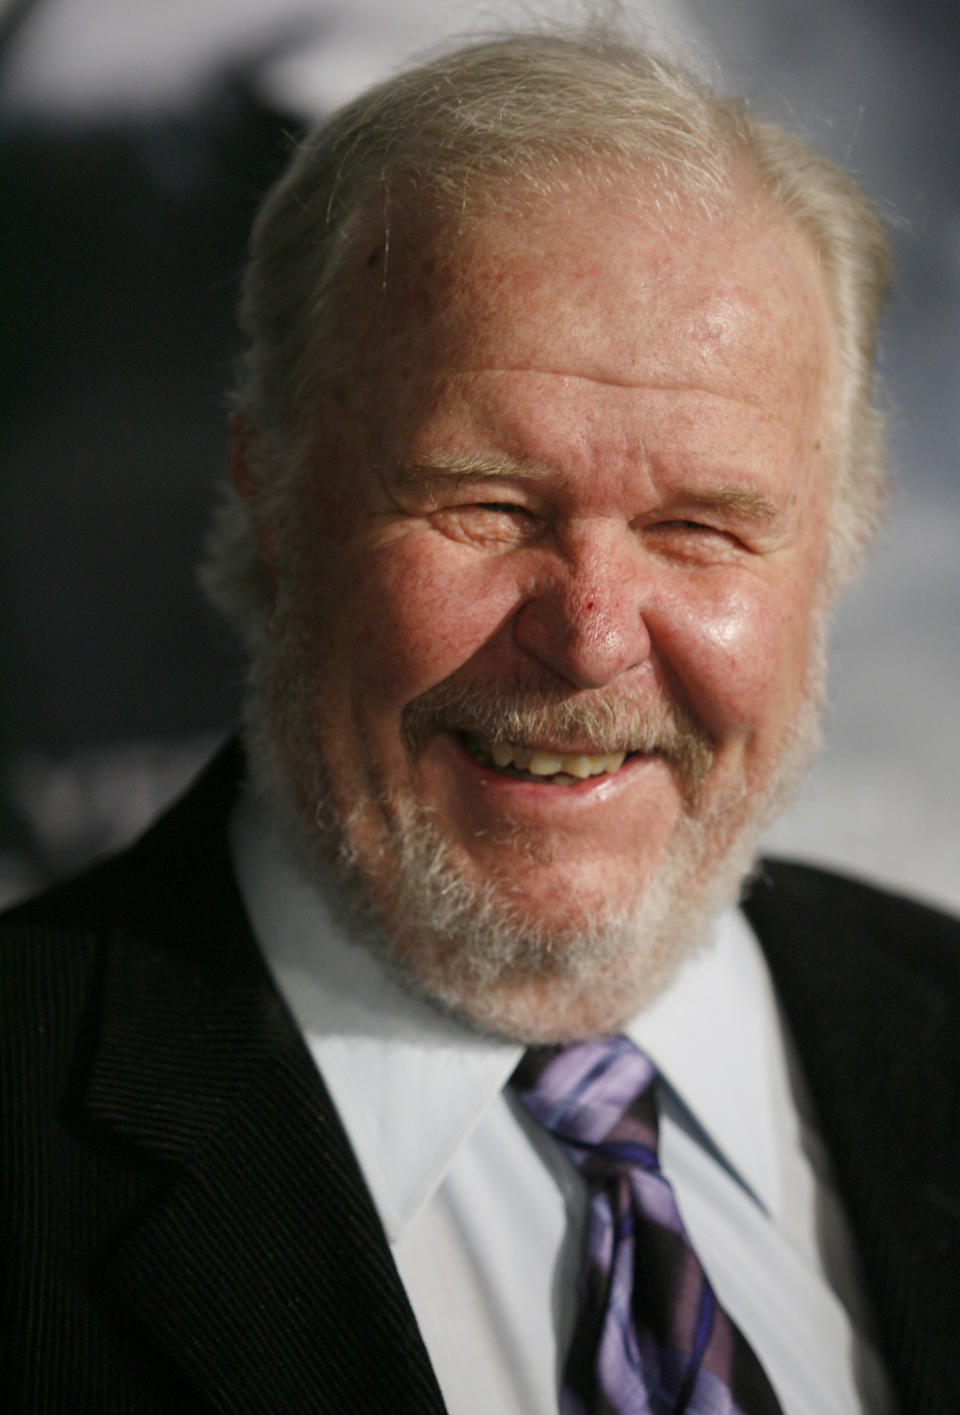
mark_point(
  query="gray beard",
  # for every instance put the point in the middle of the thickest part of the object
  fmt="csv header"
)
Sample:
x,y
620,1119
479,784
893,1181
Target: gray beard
x,y
463,943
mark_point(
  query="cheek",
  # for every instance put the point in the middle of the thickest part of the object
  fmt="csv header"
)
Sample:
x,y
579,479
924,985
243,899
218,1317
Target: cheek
x,y
422,608
739,653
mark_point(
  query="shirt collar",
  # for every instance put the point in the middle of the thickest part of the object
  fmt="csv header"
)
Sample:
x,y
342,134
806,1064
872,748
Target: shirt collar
x,y
716,1037
410,1082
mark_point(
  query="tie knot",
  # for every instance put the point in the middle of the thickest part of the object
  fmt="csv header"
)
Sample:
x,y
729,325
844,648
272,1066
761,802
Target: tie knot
x,y
595,1098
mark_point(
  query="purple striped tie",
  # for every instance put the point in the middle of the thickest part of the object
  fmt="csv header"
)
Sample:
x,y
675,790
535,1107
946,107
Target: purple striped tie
x,y
651,1338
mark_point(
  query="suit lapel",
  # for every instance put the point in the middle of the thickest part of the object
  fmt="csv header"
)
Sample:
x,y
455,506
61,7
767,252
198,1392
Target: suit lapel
x,y
869,987
260,1265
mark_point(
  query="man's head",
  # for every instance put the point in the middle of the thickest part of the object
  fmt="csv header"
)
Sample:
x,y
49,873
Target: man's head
x,y
556,438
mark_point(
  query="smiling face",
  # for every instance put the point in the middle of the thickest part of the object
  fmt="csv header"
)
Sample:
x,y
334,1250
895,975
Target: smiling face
x,y
556,577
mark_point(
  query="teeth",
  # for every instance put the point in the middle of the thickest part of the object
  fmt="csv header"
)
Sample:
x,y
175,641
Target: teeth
x,y
502,753
545,764
578,765
613,761
581,766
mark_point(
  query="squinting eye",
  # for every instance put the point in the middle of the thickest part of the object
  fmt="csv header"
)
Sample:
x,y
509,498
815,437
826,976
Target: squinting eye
x,y
494,524
695,541
694,527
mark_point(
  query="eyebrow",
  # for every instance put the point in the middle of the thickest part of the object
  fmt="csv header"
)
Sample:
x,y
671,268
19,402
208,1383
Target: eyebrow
x,y
749,505
468,468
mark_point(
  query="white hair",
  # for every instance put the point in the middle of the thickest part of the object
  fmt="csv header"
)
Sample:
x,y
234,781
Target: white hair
x,y
538,110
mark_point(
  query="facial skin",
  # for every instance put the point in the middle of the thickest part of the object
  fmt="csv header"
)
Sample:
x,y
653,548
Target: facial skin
x,y
575,473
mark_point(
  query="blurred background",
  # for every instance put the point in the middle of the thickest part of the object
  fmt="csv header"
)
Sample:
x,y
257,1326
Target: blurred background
x,y
135,139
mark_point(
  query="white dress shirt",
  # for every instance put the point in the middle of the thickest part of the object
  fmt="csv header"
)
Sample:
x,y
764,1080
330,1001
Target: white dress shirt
x,y
483,1213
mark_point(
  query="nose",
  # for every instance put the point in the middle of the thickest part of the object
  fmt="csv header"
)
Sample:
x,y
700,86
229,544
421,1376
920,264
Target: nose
x,y
584,617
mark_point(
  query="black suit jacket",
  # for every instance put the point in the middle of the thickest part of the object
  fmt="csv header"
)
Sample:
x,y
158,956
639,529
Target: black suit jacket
x,y
184,1225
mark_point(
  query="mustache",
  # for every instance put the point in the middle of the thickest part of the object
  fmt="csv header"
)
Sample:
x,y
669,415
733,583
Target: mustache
x,y
607,721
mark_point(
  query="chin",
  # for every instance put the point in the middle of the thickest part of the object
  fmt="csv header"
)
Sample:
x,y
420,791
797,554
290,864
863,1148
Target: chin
x,y
505,967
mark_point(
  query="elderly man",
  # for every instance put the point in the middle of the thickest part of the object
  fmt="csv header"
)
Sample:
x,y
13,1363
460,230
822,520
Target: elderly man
x,y
422,1060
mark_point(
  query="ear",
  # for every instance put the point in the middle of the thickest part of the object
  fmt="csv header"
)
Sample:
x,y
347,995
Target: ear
x,y
245,485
